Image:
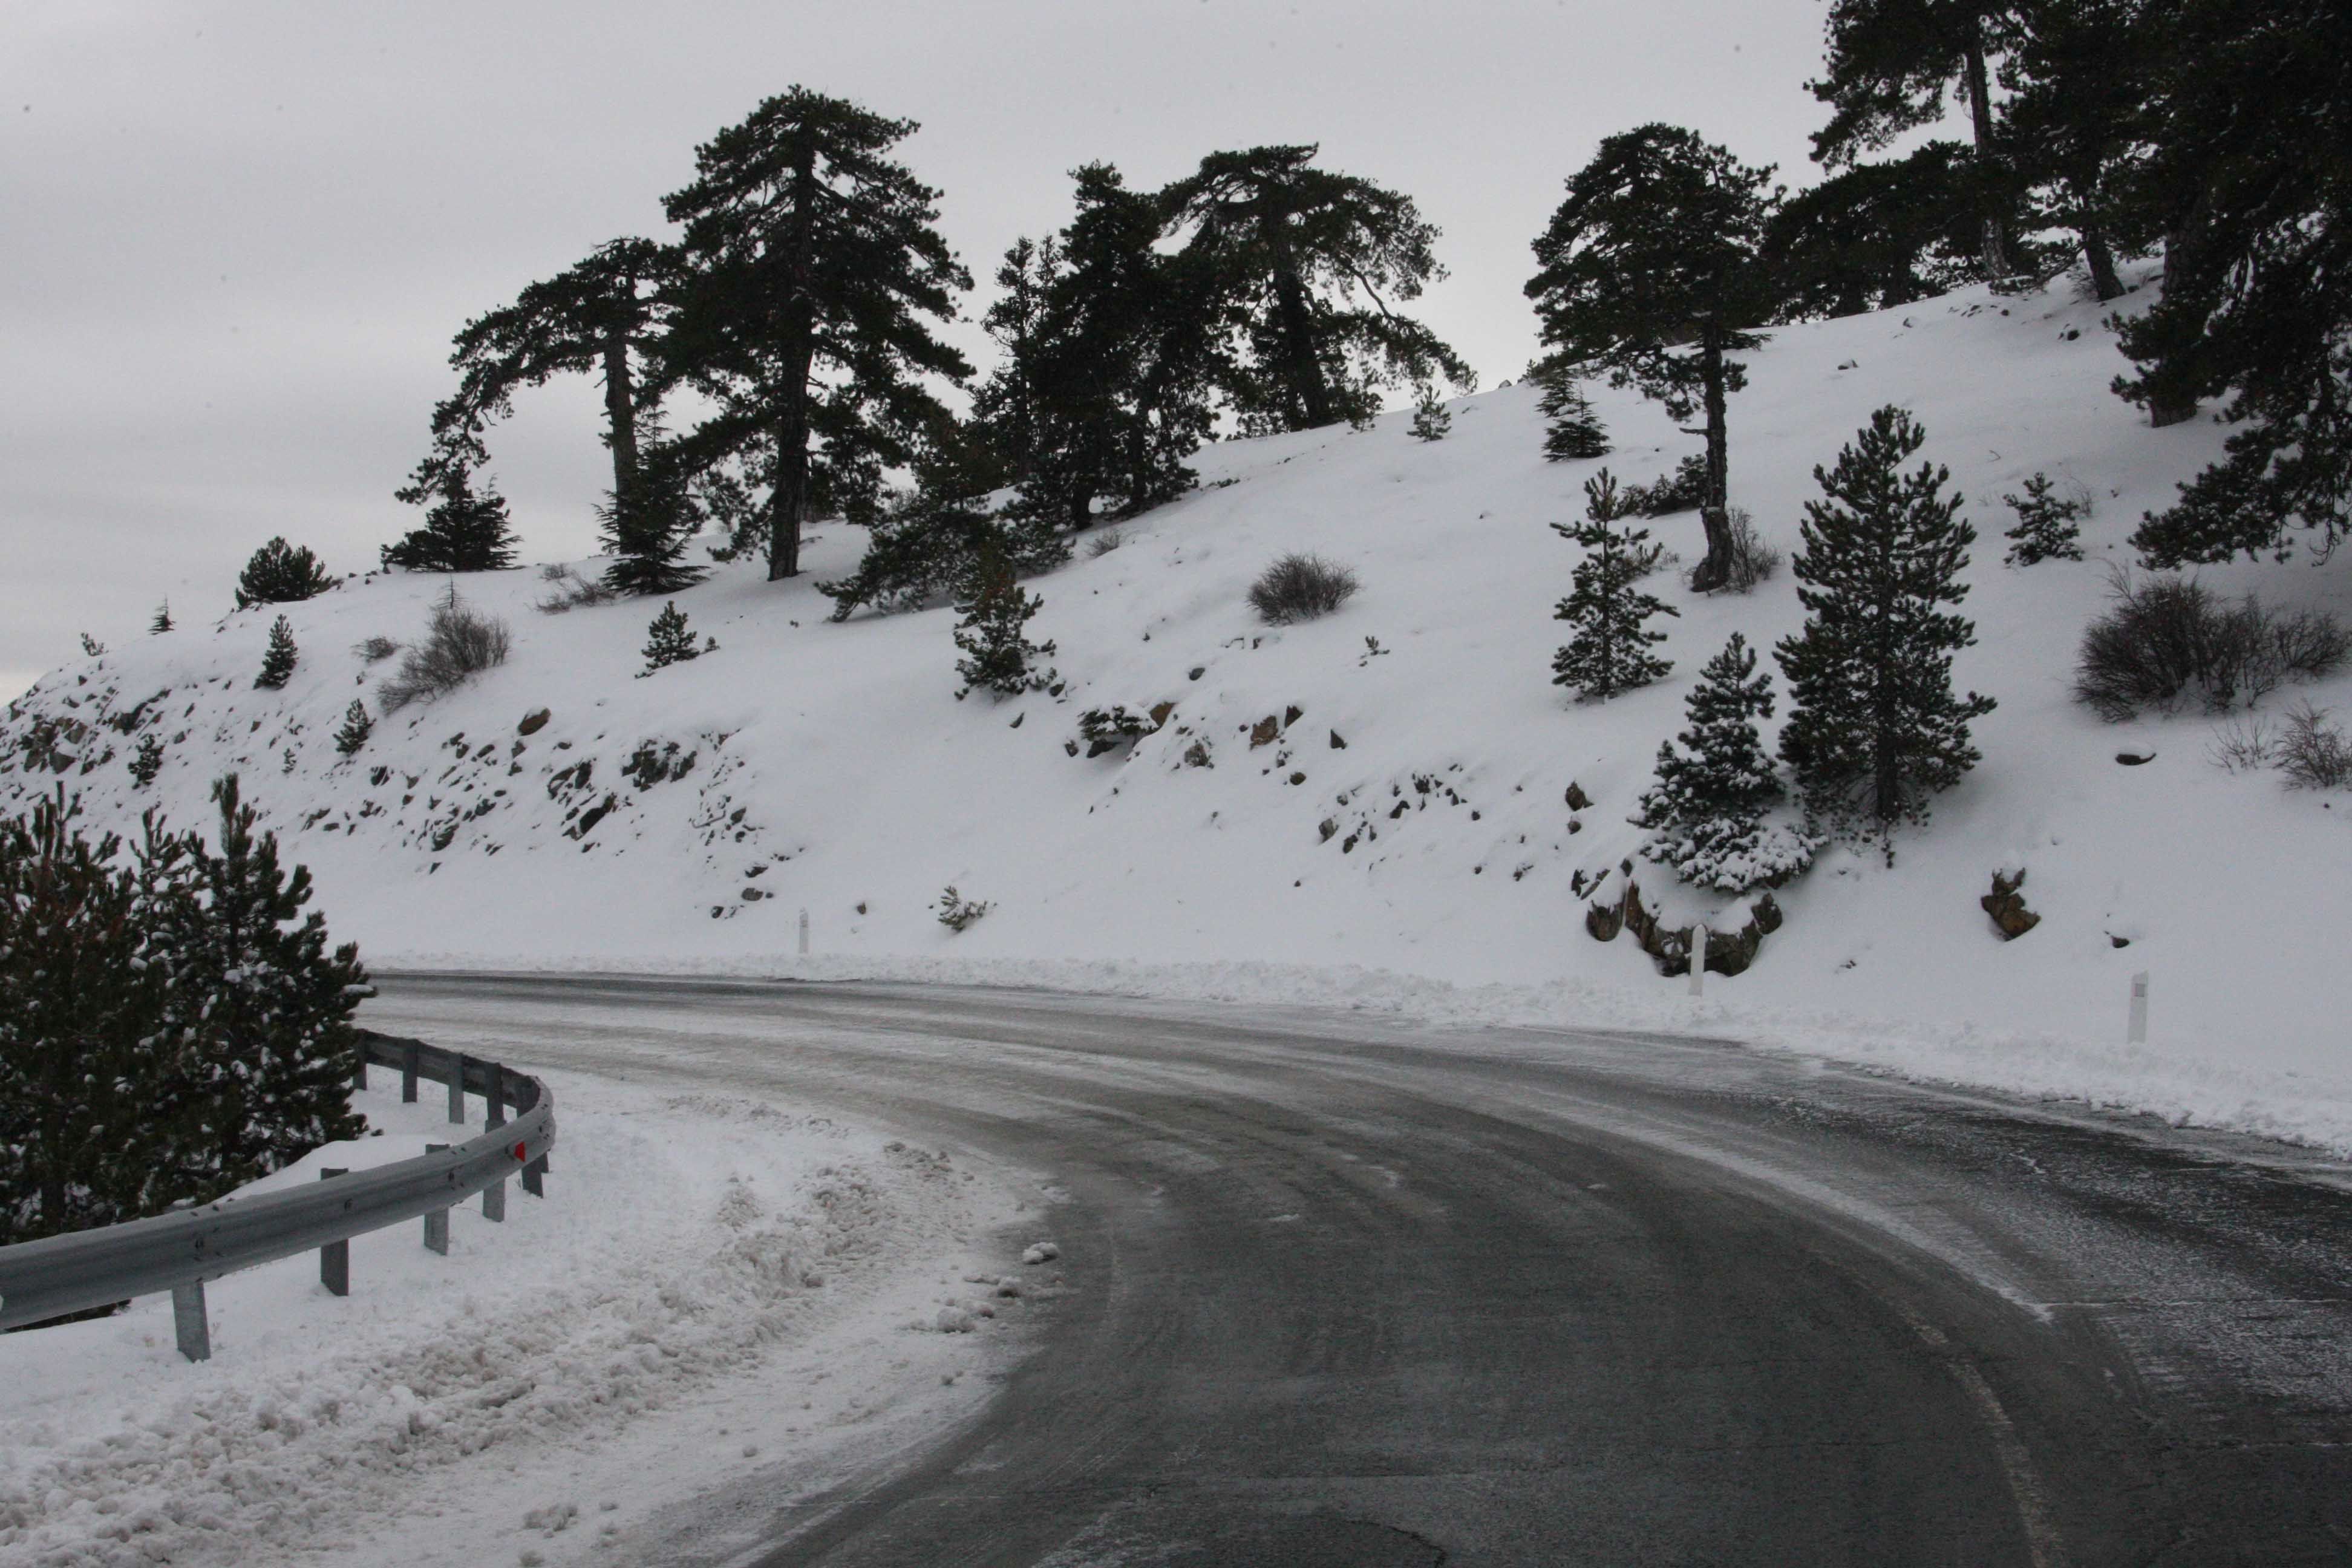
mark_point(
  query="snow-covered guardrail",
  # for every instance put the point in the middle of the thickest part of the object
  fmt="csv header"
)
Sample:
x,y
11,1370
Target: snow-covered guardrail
x,y
179,1250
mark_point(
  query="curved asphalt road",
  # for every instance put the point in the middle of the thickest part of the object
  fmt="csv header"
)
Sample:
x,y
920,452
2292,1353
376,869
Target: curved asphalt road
x,y
1357,1295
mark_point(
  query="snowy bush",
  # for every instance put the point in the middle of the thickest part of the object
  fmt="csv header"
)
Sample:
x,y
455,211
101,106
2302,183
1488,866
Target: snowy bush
x,y
572,591
2167,635
956,912
460,643
1301,588
1681,490
2313,753
375,651
1103,543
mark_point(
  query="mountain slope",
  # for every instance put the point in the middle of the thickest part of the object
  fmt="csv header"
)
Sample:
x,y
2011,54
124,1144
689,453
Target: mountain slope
x,y
808,764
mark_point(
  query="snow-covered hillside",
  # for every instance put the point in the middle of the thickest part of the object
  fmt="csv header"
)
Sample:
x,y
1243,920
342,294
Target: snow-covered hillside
x,y
1407,817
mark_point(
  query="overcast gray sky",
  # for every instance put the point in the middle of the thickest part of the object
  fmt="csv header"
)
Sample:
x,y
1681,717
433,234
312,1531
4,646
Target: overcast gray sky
x,y
236,238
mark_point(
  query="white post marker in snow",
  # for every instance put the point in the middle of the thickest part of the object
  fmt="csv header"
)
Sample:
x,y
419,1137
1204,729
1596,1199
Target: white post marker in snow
x,y
1698,961
2136,1031
803,933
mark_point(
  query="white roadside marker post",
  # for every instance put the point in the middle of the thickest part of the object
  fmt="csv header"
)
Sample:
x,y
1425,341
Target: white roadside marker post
x,y
803,933
1698,961
2136,1032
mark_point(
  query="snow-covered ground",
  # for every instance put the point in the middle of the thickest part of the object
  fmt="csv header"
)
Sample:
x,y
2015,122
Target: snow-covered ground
x,y
714,1291
1403,841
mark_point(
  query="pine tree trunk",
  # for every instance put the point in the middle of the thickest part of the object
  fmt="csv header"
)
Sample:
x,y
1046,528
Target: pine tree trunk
x,y
2167,404
1715,500
1998,262
2104,280
620,412
1306,366
789,503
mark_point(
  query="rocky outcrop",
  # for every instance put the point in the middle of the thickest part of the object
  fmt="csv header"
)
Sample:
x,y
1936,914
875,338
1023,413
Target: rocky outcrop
x,y
1727,951
2006,905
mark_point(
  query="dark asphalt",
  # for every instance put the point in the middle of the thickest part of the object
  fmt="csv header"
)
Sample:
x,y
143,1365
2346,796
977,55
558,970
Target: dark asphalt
x,y
1349,1293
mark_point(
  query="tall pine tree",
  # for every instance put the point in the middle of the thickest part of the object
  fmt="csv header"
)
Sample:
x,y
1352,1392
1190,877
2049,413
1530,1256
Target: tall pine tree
x,y
811,262
1650,271
1610,650
1313,263
1873,727
1705,810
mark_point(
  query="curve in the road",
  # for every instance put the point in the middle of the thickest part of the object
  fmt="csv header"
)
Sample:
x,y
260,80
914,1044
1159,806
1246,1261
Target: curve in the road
x,y
1349,1293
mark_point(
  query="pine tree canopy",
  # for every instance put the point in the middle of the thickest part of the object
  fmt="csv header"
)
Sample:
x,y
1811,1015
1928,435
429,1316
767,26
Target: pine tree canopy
x,y
167,1031
1312,262
2247,181
463,531
601,314
1877,235
1873,726
281,573
1650,270
813,267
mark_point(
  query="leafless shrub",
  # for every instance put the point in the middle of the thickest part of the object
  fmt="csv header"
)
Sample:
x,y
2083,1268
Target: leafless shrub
x,y
459,642
2313,753
1300,588
572,591
1103,543
1752,560
2168,635
375,651
2245,745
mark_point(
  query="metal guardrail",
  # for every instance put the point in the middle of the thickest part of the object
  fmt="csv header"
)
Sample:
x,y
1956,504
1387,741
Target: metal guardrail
x,y
179,1251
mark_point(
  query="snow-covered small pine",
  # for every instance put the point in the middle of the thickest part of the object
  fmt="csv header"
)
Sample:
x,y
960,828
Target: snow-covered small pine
x,y
355,728
2046,528
148,760
997,654
279,658
1572,431
1431,418
1706,811
92,647
163,621
669,640
1610,650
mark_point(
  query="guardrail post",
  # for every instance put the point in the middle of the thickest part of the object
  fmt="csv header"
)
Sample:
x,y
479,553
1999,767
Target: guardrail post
x,y
359,1072
534,1177
494,1095
335,1257
457,1089
408,1065
437,1224
188,1321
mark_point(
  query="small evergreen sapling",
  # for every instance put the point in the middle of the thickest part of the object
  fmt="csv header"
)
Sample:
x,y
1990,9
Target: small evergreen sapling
x,y
281,573
1431,418
148,760
92,647
669,640
2045,527
355,728
163,621
463,531
997,655
1873,727
277,660
1609,652
1705,810
1572,431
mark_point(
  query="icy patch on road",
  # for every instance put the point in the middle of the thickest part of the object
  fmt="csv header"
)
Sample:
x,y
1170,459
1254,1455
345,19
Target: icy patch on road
x,y
684,1246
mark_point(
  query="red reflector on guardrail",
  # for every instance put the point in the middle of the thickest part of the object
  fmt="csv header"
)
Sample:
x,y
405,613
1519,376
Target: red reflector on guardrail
x,y
519,1152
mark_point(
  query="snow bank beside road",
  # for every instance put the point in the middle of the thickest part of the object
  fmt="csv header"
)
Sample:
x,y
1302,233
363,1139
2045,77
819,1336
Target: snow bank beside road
x,y
688,1250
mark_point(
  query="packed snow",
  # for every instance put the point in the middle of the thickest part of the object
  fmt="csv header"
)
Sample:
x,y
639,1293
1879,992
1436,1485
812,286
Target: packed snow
x,y
1368,809
706,1275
